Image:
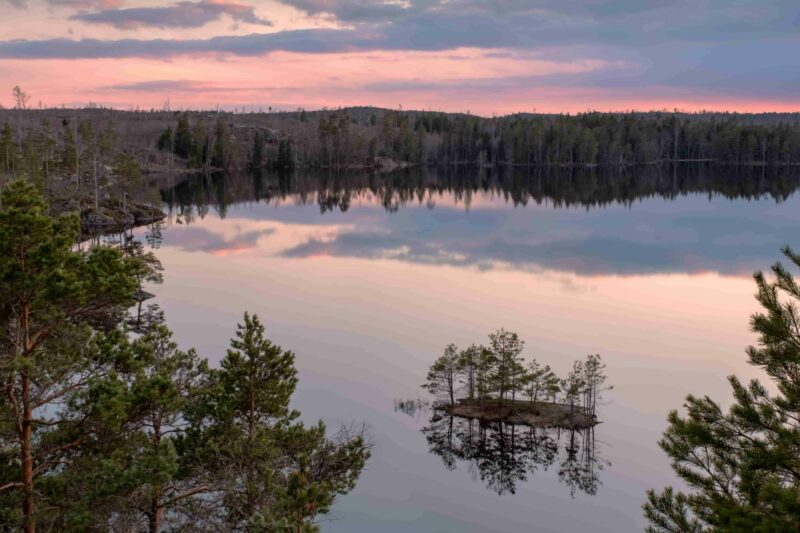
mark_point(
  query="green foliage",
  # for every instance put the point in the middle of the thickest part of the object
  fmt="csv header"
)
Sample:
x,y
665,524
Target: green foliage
x,y
69,152
103,429
8,151
183,142
222,145
258,378
497,372
270,471
442,375
165,140
127,175
742,465
62,304
507,349
540,381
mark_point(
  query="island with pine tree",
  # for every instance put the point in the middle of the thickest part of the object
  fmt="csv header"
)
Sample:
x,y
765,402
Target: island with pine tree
x,y
494,384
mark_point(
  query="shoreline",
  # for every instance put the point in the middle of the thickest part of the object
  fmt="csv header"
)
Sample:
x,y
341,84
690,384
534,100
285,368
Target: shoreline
x,y
519,412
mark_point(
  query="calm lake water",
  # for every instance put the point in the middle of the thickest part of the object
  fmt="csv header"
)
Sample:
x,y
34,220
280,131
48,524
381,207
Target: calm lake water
x,y
367,279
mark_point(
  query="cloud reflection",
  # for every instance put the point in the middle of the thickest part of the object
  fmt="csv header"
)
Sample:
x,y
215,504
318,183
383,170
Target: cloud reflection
x,y
197,238
505,228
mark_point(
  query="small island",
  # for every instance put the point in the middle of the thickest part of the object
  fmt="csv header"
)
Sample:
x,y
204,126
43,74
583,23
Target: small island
x,y
520,413
494,383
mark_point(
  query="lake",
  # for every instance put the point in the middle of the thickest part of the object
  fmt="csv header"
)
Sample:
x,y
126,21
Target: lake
x,y
367,278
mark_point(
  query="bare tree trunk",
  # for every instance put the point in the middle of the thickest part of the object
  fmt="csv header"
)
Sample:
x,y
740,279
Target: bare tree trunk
x,y
156,509
27,458
25,437
155,515
96,188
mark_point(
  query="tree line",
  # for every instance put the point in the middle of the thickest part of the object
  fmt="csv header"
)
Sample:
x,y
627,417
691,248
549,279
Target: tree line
x,y
44,142
561,187
358,136
71,157
497,372
611,139
349,138
108,427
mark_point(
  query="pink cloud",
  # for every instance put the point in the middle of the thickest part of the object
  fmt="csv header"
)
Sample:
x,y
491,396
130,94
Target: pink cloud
x,y
483,81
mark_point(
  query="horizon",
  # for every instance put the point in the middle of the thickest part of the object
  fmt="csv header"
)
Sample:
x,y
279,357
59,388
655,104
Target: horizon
x,y
456,56
244,110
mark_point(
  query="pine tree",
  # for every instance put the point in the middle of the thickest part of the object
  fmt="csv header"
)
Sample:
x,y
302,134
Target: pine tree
x,y
468,363
183,137
257,155
507,349
68,159
128,175
270,471
165,380
742,465
7,149
539,380
442,376
55,299
221,145
90,155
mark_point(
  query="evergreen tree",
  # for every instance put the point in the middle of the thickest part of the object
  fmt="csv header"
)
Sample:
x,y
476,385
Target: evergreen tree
x,y
7,149
166,140
269,471
573,386
484,374
164,381
47,147
221,145
128,176
539,380
90,155
183,137
742,465
443,374
507,349
68,159
257,154
56,300
468,365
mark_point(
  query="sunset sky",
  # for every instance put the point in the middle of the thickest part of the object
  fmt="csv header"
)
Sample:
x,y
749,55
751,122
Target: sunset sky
x,y
482,56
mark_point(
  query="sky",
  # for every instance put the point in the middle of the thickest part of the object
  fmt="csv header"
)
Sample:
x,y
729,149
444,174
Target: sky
x,y
480,56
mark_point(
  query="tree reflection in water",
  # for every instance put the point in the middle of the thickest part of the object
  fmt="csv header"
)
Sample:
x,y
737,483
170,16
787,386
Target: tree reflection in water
x,y
503,455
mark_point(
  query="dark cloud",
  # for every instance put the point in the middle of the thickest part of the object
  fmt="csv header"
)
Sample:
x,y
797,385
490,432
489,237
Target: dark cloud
x,y
19,4
312,41
180,15
435,25
711,46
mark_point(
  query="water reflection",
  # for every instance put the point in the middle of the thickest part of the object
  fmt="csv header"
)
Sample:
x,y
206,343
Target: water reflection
x,y
365,296
503,455
560,187
692,220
